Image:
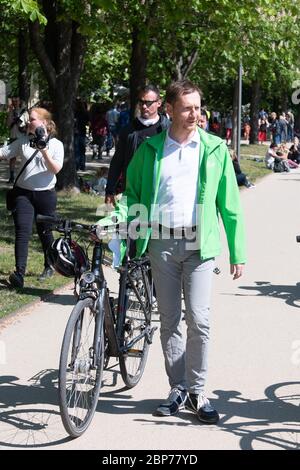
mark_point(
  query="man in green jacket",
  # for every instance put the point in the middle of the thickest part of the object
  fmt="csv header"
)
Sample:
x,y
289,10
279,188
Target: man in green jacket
x,y
181,180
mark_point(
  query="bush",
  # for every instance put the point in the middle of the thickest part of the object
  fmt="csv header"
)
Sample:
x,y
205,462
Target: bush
x,y
4,131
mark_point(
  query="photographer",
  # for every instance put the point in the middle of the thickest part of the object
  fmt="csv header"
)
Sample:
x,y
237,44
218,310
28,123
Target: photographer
x,y
35,188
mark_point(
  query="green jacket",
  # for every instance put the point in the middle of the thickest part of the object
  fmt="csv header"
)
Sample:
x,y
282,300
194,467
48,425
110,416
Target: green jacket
x,y
218,193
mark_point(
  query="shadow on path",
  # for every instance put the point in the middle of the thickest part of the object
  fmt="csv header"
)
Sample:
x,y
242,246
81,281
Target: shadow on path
x,y
28,413
29,416
289,293
277,412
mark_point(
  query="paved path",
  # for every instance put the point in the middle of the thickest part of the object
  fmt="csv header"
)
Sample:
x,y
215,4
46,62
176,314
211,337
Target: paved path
x,y
254,373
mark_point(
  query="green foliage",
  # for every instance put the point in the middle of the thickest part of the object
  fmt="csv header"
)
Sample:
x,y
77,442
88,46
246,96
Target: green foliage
x,y
4,133
202,39
106,64
28,7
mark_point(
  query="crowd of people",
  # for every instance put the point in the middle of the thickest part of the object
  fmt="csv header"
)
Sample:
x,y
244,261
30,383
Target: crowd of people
x,y
279,128
99,126
157,161
174,159
100,122
104,125
281,158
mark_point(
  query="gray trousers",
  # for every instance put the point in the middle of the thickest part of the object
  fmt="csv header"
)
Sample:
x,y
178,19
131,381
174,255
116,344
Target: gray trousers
x,y
175,266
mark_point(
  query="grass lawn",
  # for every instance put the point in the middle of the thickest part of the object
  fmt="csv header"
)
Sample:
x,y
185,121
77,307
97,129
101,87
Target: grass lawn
x,y
253,150
253,169
80,207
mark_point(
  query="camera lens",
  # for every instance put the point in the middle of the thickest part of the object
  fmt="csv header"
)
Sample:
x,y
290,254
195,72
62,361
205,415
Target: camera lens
x,y
41,138
41,144
40,132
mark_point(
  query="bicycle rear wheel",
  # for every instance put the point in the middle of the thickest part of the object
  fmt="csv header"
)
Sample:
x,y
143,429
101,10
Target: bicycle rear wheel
x,y
136,320
80,369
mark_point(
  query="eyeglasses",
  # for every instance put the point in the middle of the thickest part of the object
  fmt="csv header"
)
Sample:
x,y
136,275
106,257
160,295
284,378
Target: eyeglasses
x,y
147,103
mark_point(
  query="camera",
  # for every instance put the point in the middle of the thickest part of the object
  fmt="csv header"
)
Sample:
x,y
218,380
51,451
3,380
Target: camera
x,y
40,139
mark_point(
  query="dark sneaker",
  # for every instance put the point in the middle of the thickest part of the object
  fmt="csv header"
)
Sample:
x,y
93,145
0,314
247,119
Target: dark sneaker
x,y
201,406
173,404
48,272
16,280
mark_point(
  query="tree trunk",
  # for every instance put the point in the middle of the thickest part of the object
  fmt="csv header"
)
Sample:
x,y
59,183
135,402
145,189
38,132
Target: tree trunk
x,y
62,70
254,111
284,101
138,67
235,105
23,84
63,100
50,36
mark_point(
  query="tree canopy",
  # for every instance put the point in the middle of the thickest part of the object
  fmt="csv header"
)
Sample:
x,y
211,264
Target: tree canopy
x,y
81,47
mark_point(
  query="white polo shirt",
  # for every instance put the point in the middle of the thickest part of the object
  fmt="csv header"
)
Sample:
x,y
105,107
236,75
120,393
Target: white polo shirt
x,y
36,176
178,188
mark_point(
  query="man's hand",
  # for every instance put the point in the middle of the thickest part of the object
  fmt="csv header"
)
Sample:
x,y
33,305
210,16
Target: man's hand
x,y
110,199
98,234
236,270
93,237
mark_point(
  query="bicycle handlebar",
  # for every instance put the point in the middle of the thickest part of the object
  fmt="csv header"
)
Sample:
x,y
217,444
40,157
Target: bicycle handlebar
x,y
48,218
66,225
63,224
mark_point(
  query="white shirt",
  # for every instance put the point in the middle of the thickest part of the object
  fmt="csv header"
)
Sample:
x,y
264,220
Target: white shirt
x,y
148,122
270,158
36,176
178,188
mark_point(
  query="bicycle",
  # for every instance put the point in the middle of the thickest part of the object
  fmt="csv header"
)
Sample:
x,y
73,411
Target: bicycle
x,y
100,327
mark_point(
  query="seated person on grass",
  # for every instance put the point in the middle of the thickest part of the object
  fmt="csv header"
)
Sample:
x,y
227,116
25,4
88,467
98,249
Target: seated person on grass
x,y
241,178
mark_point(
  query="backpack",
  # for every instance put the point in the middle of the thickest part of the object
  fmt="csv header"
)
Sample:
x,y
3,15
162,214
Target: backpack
x,y
280,166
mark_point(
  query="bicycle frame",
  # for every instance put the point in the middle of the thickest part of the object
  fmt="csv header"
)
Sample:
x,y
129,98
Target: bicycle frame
x,y
126,281
95,332
99,291
94,285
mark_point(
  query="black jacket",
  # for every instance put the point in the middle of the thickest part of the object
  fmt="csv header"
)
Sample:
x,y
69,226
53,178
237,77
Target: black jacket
x,y
130,138
294,153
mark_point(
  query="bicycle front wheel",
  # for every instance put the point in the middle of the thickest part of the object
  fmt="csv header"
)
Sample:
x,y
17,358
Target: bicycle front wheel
x,y
80,368
137,319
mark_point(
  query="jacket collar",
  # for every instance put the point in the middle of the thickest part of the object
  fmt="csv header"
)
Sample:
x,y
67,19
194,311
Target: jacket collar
x,y
208,142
